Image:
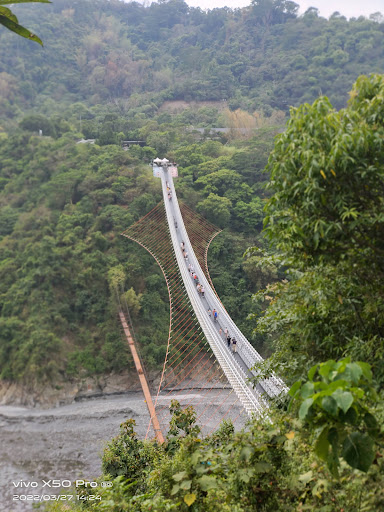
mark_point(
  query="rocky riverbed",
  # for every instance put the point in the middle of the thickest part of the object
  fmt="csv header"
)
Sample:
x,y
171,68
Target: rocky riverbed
x,y
65,443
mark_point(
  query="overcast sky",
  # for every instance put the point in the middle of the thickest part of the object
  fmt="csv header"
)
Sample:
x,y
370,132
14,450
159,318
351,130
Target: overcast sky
x,y
349,8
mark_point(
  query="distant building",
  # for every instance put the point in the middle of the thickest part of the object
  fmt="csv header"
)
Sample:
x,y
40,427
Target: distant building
x,y
125,144
86,141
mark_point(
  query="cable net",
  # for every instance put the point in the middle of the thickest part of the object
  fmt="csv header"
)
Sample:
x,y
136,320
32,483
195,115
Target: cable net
x,y
191,373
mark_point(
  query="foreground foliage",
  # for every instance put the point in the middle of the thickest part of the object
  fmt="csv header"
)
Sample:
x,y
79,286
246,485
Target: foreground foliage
x,y
326,223
267,467
10,21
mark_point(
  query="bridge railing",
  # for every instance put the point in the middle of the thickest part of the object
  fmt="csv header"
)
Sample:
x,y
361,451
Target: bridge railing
x,y
251,399
272,386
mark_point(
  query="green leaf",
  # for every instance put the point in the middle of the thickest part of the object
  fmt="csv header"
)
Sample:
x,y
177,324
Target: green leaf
x,y
8,2
366,368
262,467
307,390
207,482
325,368
9,14
351,416
180,476
329,405
196,456
185,485
294,388
344,399
18,29
175,489
245,475
246,452
333,459
355,372
312,371
358,451
372,424
306,477
304,408
322,444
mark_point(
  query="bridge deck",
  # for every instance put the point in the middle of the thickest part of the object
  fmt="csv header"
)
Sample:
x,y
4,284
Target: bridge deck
x,y
237,367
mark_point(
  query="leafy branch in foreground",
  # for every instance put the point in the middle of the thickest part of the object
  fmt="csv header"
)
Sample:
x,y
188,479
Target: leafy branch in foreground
x,y
334,403
10,21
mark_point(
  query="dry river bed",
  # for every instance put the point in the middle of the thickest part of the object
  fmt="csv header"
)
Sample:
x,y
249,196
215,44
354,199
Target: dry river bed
x,y
44,448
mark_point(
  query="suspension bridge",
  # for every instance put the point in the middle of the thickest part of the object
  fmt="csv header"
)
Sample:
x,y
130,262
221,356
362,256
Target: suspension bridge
x,y
198,357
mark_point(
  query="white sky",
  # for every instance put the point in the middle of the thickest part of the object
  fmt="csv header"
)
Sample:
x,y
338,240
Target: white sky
x,y
349,8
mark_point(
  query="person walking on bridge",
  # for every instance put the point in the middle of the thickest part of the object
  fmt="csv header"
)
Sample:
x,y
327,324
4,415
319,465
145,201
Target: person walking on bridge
x,y
202,290
229,341
215,315
234,345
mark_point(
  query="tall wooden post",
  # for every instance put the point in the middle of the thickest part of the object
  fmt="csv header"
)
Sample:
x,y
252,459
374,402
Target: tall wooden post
x,y
143,380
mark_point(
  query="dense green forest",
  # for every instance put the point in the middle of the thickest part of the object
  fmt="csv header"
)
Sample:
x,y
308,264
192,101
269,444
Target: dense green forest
x,y
133,58
115,71
63,207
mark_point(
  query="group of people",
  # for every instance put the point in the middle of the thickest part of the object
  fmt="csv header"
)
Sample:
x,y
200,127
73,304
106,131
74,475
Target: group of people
x,y
214,314
169,191
232,342
185,254
199,287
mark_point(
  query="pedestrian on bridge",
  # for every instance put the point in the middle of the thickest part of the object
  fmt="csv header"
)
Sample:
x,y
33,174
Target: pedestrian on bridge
x,y
215,315
202,290
182,246
209,313
229,341
226,332
234,345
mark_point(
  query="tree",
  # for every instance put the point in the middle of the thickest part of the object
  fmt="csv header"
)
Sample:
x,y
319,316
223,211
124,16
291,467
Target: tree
x,y
10,21
328,178
216,209
325,220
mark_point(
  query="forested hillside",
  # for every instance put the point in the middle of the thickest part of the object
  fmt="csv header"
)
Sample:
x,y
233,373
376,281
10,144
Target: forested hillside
x,y
262,57
63,207
115,71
